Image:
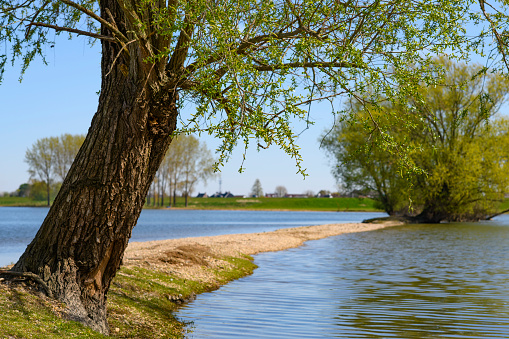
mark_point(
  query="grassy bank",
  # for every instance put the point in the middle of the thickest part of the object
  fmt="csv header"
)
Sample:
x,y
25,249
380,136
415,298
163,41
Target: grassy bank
x,y
289,204
283,204
21,201
141,302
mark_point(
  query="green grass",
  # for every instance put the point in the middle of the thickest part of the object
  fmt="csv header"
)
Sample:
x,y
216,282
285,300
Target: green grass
x,y
141,303
20,201
290,204
504,205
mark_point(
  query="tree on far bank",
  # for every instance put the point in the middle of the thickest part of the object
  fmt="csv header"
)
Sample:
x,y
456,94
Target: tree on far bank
x,y
257,190
49,159
41,160
281,191
251,68
65,151
187,161
195,161
455,138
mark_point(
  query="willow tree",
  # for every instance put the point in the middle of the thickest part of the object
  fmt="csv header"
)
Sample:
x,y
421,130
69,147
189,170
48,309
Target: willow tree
x,y
251,67
452,134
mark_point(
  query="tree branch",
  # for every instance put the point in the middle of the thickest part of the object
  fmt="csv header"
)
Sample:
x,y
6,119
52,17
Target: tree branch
x,y
179,55
90,13
77,31
27,31
263,68
245,45
500,43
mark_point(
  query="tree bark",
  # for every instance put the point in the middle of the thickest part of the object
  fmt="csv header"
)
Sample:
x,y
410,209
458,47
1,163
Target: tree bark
x,y
80,245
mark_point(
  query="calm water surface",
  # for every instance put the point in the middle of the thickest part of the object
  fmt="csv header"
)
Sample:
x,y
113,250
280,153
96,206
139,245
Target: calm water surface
x,y
418,281
18,225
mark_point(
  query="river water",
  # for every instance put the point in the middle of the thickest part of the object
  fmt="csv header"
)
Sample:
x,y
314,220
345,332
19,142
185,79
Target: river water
x,y
18,225
415,281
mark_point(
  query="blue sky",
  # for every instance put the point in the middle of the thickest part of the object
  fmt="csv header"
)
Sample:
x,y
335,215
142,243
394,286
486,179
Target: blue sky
x,y
61,98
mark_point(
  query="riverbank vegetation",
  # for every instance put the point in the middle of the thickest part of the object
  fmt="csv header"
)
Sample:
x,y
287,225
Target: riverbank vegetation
x,y
141,303
284,204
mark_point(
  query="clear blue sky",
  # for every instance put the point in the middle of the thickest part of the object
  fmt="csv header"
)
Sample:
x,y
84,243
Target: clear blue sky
x,y
61,98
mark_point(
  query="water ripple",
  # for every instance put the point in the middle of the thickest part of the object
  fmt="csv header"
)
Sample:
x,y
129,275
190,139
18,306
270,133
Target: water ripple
x,y
420,281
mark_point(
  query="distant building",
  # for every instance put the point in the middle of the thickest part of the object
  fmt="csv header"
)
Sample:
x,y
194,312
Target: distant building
x,y
222,195
296,196
271,195
202,195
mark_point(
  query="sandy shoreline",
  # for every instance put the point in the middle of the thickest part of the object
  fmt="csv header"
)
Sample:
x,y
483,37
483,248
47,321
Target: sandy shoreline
x,y
191,258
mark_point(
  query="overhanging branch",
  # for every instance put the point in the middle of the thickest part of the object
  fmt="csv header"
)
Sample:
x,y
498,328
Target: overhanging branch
x,y
264,68
76,31
90,13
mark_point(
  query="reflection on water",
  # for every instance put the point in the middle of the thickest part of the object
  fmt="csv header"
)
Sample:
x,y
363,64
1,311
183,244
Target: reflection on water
x,y
419,281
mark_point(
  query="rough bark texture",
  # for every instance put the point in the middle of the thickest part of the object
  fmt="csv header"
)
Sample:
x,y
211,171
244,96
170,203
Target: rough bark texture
x,y
80,244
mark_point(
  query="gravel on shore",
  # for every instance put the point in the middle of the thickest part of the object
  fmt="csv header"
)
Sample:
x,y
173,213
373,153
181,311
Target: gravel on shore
x,y
190,258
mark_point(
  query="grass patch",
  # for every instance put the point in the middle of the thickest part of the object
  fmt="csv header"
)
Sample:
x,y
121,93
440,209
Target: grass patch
x,y
289,204
25,315
504,205
141,303
21,201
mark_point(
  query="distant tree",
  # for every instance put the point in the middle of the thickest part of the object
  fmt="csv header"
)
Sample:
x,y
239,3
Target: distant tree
x,y
187,161
281,191
49,159
23,190
197,163
257,190
65,151
41,160
172,164
454,138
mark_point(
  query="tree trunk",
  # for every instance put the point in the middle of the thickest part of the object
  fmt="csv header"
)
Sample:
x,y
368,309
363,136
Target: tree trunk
x,y
80,245
48,192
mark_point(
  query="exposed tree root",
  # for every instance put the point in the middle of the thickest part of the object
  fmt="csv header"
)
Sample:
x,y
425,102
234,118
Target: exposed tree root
x,y
32,276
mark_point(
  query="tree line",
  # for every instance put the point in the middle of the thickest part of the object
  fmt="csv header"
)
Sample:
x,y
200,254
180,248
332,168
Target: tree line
x,y
187,162
49,160
451,162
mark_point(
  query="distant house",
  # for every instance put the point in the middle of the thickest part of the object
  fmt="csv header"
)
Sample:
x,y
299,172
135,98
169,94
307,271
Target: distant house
x,y
202,195
296,196
271,195
222,195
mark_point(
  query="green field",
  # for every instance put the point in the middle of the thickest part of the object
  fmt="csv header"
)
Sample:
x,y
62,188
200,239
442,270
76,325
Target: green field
x,y
284,204
20,201
292,204
504,205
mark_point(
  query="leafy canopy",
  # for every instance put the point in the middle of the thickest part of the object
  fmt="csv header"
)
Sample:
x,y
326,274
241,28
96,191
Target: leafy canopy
x,y
454,137
253,67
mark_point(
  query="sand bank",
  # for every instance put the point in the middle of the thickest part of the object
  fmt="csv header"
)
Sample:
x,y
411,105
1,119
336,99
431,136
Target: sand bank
x,y
190,257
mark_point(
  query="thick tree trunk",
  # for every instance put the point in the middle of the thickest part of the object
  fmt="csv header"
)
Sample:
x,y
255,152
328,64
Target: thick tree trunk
x,y
80,244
